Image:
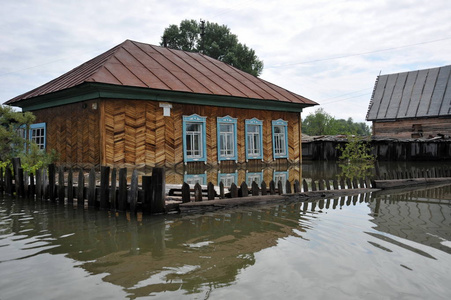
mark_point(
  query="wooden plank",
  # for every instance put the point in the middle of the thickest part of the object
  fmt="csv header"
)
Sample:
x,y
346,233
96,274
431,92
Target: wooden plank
x,y
70,187
104,185
264,189
133,193
92,188
147,189
197,192
113,190
61,185
186,197
211,193
51,180
81,189
158,190
122,196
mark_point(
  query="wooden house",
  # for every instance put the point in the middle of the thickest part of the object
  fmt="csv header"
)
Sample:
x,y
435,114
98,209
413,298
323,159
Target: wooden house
x,y
139,104
412,104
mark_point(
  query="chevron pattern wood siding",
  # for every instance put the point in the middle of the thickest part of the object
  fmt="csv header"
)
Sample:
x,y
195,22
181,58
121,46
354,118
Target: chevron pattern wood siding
x,y
134,132
73,131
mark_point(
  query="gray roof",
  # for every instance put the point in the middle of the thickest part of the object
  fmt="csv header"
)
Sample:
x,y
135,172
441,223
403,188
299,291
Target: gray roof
x,y
416,94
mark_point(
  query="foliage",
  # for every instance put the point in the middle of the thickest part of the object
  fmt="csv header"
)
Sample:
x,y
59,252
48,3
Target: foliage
x,y
217,42
322,123
13,144
356,160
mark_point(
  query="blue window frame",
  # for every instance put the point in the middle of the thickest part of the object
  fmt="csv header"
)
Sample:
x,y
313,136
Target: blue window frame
x,y
192,179
194,138
281,176
254,176
279,139
228,178
227,138
254,139
37,134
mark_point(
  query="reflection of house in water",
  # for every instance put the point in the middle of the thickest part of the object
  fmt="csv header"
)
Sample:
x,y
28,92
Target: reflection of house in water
x,y
420,216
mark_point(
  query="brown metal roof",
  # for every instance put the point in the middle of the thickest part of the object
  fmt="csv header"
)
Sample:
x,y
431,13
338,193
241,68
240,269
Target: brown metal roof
x,y
142,65
416,94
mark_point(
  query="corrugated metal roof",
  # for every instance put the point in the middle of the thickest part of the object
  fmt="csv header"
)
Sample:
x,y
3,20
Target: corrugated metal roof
x,y
142,65
416,94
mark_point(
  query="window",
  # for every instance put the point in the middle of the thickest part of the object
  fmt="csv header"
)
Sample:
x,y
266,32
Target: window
x,y
279,139
227,178
256,176
194,141
254,142
227,145
37,134
192,179
282,177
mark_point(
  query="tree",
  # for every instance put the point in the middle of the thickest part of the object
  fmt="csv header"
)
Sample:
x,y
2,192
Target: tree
x,y
215,41
13,126
322,123
356,159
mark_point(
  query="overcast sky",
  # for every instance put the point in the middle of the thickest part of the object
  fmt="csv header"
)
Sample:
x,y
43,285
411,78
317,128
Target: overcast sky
x,y
328,51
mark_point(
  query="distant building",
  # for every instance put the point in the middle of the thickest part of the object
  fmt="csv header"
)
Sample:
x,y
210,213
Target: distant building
x,y
140,104
412,104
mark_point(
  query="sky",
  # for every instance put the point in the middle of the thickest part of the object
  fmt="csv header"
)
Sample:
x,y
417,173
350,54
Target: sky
x,y
328,51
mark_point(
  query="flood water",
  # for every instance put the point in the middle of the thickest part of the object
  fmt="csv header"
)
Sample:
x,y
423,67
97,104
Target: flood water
x,y
370,246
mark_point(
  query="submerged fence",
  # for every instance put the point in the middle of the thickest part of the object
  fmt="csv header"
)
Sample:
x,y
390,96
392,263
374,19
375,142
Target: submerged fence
x,y
108,189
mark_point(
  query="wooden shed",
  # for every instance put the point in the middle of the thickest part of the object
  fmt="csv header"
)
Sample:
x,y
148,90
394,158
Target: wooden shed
x,y
412,104
139,104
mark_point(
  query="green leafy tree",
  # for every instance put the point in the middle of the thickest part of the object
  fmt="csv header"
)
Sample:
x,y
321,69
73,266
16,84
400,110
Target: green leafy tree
x,y
322,123
217,42
13,125
356,160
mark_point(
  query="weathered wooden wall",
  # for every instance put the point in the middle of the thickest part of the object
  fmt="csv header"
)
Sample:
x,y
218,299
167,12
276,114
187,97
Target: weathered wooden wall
x,y
73,131
136,132
405,128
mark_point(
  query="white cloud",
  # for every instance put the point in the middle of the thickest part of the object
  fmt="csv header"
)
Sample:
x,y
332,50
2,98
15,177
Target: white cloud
x,y
299,41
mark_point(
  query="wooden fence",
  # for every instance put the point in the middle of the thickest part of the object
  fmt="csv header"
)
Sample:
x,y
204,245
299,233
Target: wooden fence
x,y
107,190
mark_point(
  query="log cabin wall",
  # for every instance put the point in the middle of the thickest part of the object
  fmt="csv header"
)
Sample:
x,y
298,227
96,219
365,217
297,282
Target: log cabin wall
x,y
73,131
135,132
413,128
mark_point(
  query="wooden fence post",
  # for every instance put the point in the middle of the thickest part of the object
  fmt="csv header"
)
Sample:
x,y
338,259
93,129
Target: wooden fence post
x,y
2,182
39,184
31,186
186,196
61,187
305,185
81,189
8,181
122,197
335,184
280,187
70,188
287,187
272,187
321,185
221,190
16,165
133,194
197,192
233,190
328,184
113,192
158,191
264,189
51,180
104,185
313,185
297,186
92,188
20,183
244,190
255,189
211,193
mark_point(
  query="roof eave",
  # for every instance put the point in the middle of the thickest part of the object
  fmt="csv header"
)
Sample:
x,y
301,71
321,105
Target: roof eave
x,y
90,91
